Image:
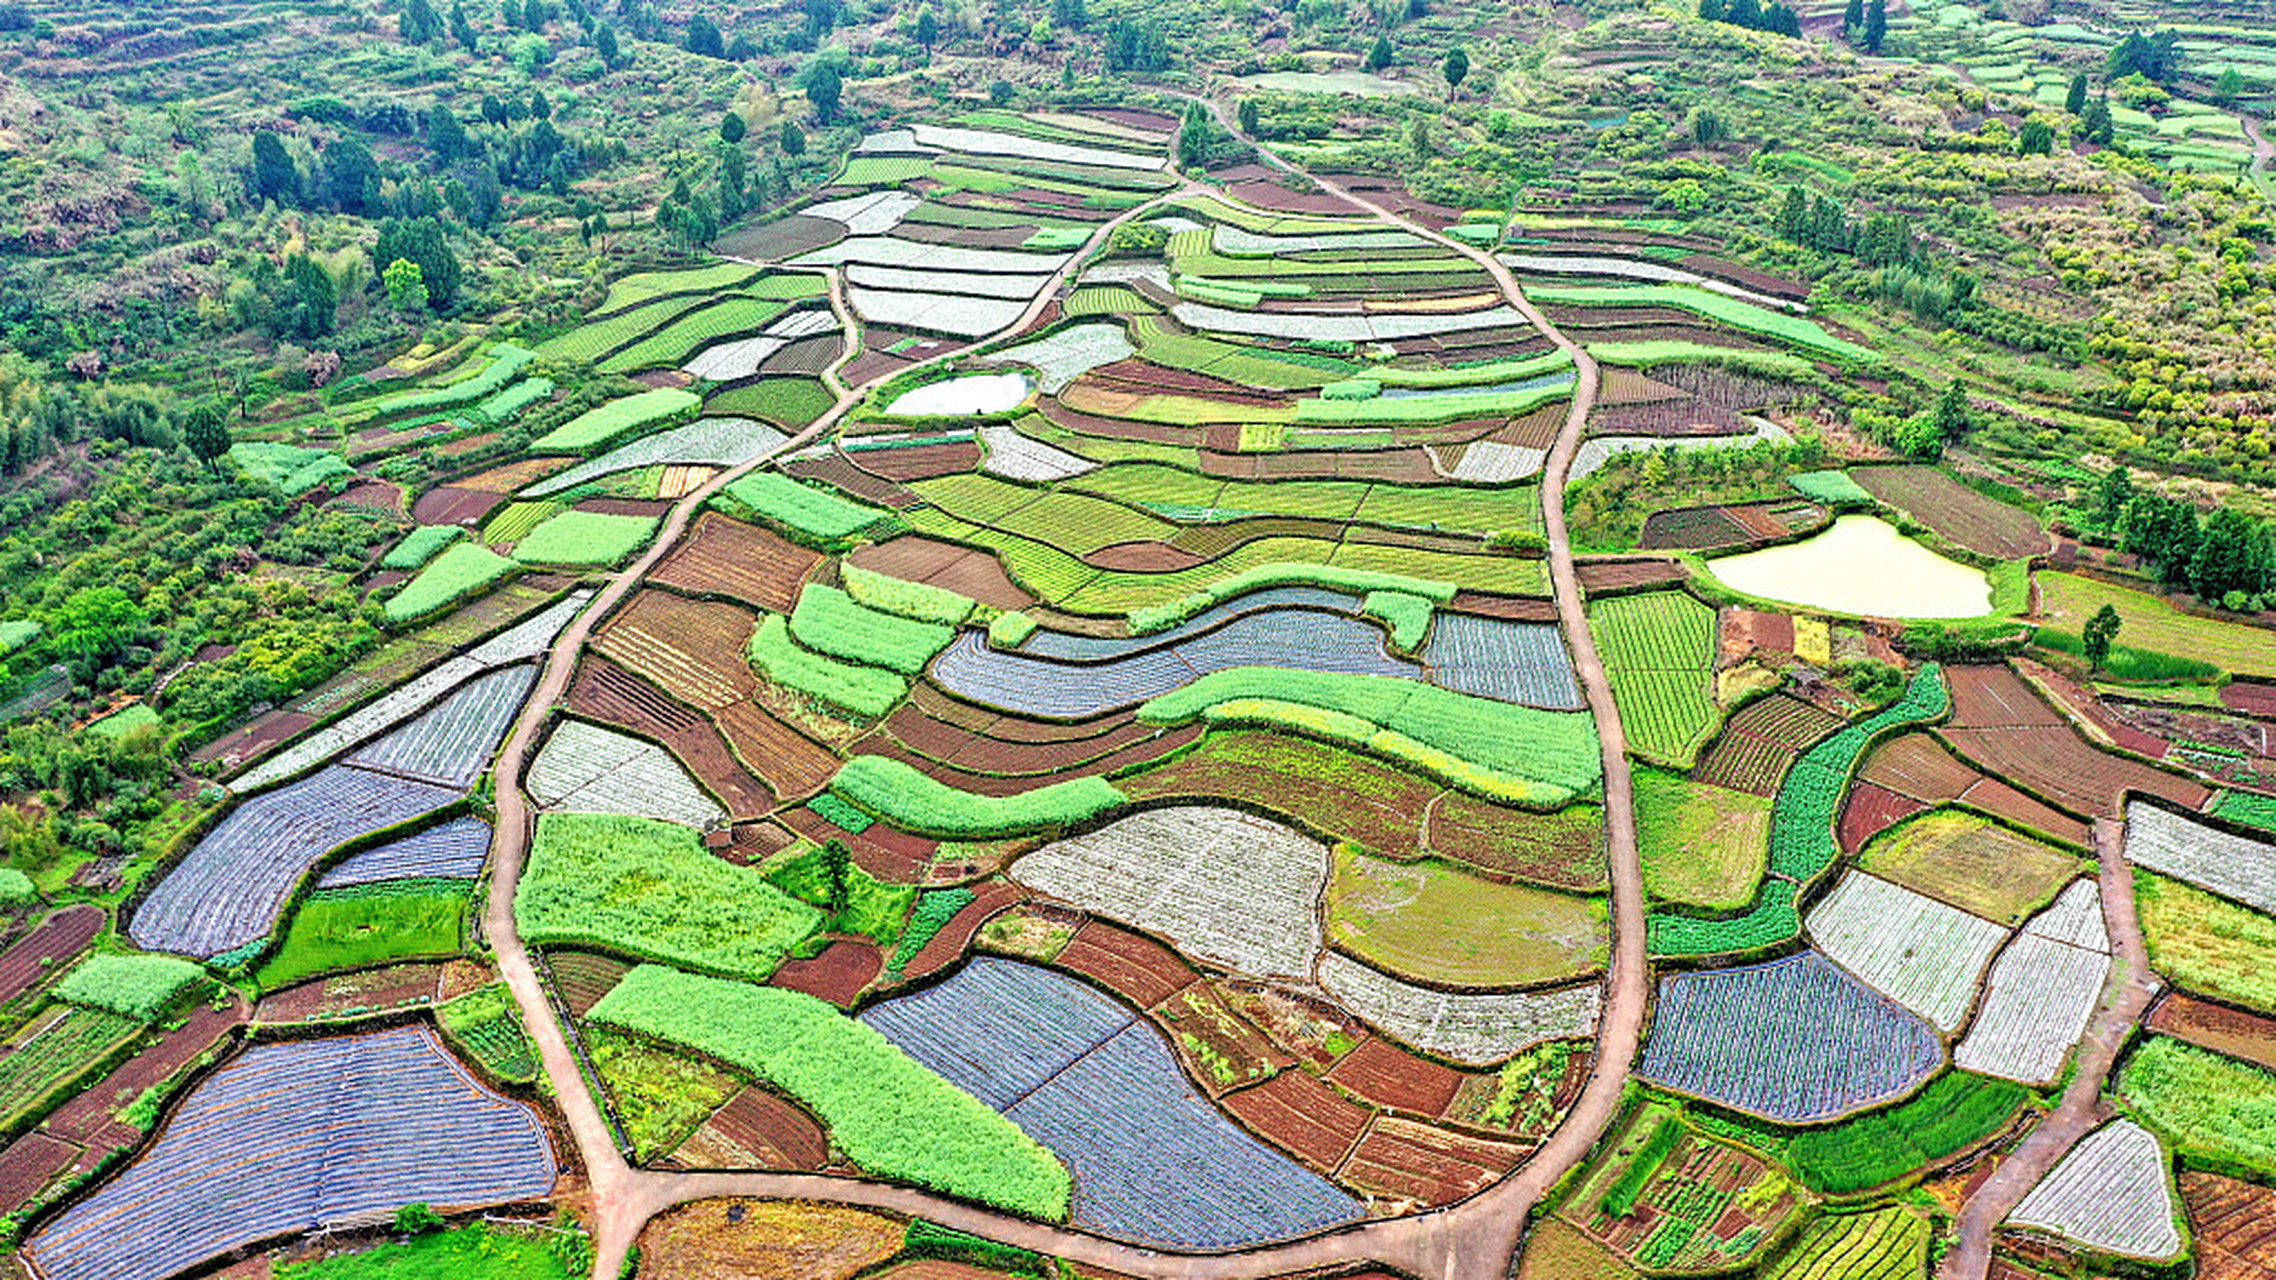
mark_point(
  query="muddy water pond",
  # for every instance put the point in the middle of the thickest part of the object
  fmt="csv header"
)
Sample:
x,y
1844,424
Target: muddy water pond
x,y
1860,565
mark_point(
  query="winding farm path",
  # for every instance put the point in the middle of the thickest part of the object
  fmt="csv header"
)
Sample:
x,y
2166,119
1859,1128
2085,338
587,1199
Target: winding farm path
x,y
1475,1240
2125,996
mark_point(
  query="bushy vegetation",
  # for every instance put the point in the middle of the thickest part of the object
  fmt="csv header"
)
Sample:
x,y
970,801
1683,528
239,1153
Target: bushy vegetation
x,y
506,363
1955,1111
477,1252
420,545
292,469
368,925
826,878
1356,581
649,889
911,801
1408,616
2219,1112
914,600
892,1116
593,538
132,986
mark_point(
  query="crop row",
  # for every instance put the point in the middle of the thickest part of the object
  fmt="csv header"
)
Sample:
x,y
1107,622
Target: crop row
x,y
720,442
1801,819
1474,1029
847,686
1956,1111
668,346
454,850
914,802
588,769
810,514
2233,866
2113,1194
450,745
605,424
1911,948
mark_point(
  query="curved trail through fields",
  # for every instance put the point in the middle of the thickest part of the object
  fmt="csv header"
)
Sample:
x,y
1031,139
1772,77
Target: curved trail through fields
x,y
1475,1240
2124,997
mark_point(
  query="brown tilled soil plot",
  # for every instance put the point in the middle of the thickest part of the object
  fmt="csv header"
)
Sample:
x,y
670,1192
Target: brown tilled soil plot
x,y
1995,698
692,649
756,1130
1411,1160
2059,766
1869,811
724,556
789,762
2234,1032
711,1239
839,975
1600,576
1389,1076
1956,512
2235,1225
608,693
456,504
1297,1113
49,949
964,570
1139,969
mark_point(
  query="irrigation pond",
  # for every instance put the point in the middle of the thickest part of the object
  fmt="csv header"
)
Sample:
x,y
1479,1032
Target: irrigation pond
x,y
1861,565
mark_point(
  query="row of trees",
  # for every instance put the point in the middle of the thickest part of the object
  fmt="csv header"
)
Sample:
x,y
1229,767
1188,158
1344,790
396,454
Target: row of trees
x,y
2226,559
1776,18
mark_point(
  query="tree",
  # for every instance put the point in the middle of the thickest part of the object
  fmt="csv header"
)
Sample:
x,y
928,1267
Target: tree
x,y
420,23
1876,24
205,431
2074,102
1852,17
703,38
2036,139
1193,138
1712,10
2112,495
824,87
604,44
2097,635
2096,126
406,286
351,176
927,28
1379,56
274,177
463,31
1457,69
1247,115
311,301
793,139
95,623
2229,85
421,242
1952,410
1793,215
837,874
2232,555
446,137
731,128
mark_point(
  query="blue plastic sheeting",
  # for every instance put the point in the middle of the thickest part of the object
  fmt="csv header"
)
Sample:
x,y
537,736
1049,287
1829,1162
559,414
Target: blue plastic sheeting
x,y
1521,662
1074,648
1154,1162
450,744
999,1029
227,892
1795,1040
1299,639
295,1136
455,850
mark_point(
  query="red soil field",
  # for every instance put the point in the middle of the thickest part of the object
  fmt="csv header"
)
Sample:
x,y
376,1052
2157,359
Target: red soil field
x,y
693,649
1152,747
255,738
1869,811
1919,766
1133,118
838,975
1746,763
2068,771
514,475
467,444
645,508
2001,800
28,1164
1427,1163
608,693
1320,787
969,237
1144,377
2217,1027
48,950
454,505
2121,725
86,1116
1743,632
1013,746
1628,386
1273,196
789,762
372,495
2250,697
890,855
832,469
1601,576
757,1130
782,238
394,987
1137,968
1995,697
1389,1076
919,462
1219,1048
1564,850
1300,1115
581,978
1694,529
989,899
1956,512
1392,466
965,570
1509,608
2235,1226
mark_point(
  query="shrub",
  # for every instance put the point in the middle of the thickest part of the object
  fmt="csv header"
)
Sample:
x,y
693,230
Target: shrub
x,y
908,599
649,889
132,986
420,545
16,888
911,801
891,1115
830,622
872,908
864,691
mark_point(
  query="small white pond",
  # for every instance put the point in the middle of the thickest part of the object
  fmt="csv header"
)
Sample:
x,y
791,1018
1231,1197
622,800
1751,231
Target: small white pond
x,y
1861,565
977,393
1352,82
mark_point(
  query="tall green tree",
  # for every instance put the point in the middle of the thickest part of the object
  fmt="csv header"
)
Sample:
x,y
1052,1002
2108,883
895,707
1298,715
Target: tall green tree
x,y
406,287
421,241
2074,101
2112,495
2097,126
1852,17
1379,55
2231,557
824,88
205,431
1193,137
2037,138
703,38
731,128
1876,25
1952,410
351,176
927,27
446,137
2100,632
310,303
1457,69
462,30
274,177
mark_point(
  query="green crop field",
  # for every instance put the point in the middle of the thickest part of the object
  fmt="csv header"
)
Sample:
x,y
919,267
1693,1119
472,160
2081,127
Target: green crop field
x,y
460,571
1743,316
610,423
1434,924
132,986
1659,648
829,622
807,512
685,335
850,686
2151,622
368,925
1702,845
1886,1244
913,802
2216,1110
585,538
2207,943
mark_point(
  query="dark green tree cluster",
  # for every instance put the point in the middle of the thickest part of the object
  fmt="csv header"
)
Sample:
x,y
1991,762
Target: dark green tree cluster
x,y
1775,18
2226,559
2155,56
1136,45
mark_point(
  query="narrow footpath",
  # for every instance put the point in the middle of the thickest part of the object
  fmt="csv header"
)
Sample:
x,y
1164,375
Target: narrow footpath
x,y
1474,1240
2125,996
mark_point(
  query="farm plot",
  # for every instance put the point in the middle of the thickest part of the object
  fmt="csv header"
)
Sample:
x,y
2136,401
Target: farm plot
x,y
1433,924
1378,327
830,622
2234,1224
1761,741
296,1136
2113,1194
1291,639
2230,865
2248,1037
519,643
1015,456
40,953
2152,623
53,1054
1702,845
1913,949
451,745
955,315
1228,888
460,571
1954,1112
2068,771
2043,988
2208,944
1886,1244
1802,818
226,893
1972,863
1152,1160
1062,357
1960,515
714,441
584,768
724,556
1659,648
810,513
1474,1029
1597,450
691,649
650,889
1517,662
1794,1040
669,345
2215,1111
454,850
593,539
606,424
1669,1197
